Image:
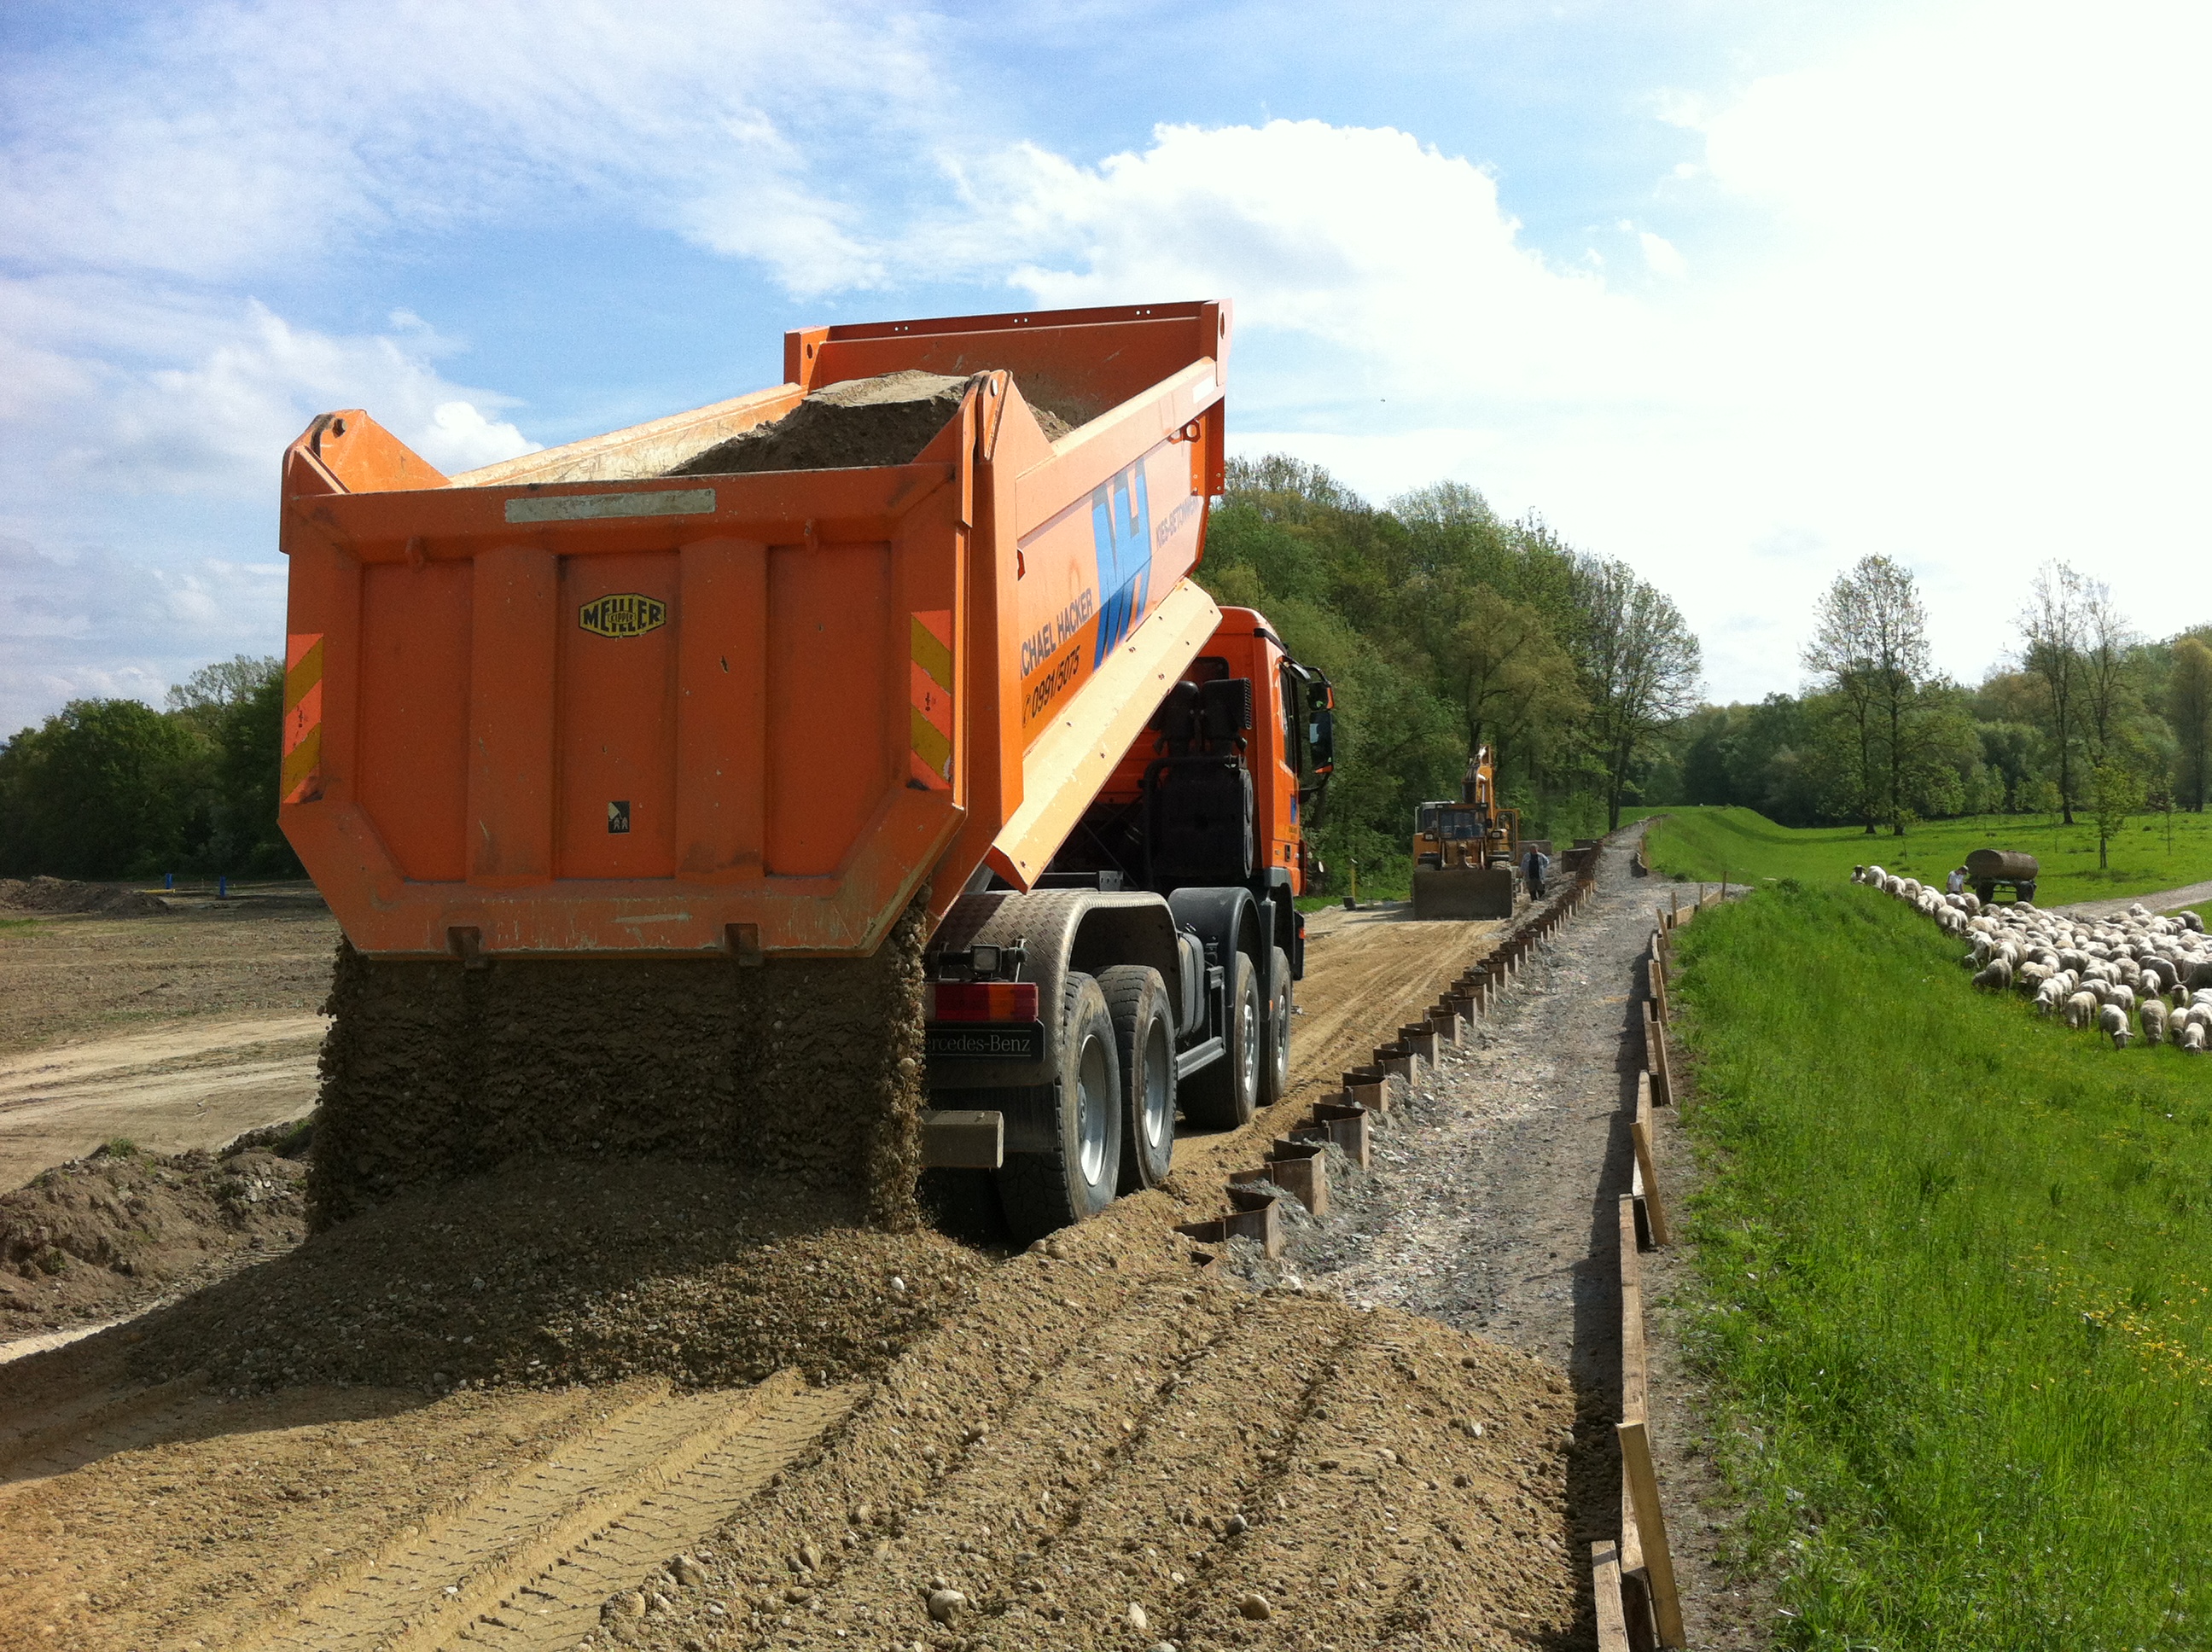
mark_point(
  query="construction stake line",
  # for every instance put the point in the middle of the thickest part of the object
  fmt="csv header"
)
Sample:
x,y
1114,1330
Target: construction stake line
x,y
1638,1602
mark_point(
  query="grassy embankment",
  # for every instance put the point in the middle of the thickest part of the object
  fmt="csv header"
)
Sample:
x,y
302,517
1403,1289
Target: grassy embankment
x,y
1952,1274
1699,844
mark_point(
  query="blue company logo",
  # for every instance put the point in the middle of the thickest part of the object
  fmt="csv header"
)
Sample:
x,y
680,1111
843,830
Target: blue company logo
x,y
1121,524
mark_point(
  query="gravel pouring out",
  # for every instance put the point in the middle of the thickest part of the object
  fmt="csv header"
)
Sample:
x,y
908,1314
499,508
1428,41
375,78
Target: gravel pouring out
x,y
558,1271
808,1070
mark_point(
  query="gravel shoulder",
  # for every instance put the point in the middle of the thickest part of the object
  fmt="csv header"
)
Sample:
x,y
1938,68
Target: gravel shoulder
x,y
1492,1207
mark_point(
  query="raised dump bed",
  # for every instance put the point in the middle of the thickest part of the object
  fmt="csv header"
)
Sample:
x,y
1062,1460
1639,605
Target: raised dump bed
x,y
821,678
592,701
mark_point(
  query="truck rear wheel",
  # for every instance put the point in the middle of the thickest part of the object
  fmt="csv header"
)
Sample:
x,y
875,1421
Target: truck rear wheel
x,y
1275,1065
1075,1178
1224,1095
1144,1039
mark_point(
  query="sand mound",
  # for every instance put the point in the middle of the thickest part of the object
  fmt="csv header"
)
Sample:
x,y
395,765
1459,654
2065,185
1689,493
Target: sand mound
x,y
68,895
886,420
565,1271
102,1236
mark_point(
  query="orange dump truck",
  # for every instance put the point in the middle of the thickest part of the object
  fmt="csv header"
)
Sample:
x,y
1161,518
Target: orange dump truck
x,y
839,805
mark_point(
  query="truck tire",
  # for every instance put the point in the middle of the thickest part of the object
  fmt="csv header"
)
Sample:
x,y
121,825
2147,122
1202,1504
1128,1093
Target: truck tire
x,y
1144,1040
1075,1179
1226,1095
1275,1031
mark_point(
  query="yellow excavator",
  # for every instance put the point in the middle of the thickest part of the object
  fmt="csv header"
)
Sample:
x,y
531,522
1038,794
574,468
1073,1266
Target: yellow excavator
x,y
1467,854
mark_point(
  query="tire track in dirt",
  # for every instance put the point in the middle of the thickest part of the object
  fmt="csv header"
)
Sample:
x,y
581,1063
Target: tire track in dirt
x,y
1367,973
1113,1429
528,1563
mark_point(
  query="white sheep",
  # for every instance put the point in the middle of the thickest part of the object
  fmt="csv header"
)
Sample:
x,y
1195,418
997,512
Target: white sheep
x,y
2114,1020
2050,996
1998,978
2192,1038
2082,1010
2152,1015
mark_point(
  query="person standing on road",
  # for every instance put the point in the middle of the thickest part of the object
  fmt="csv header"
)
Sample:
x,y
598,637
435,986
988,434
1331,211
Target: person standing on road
x,y
1538,864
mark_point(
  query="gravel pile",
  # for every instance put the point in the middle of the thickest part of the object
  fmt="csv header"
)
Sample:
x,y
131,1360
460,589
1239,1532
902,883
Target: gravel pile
x,y
552,1273
887,420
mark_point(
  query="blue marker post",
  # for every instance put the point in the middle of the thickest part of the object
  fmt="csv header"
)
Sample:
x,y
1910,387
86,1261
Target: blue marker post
x,y
222,889
168,880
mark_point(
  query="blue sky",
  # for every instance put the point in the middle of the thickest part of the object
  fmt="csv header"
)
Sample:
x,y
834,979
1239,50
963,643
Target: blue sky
x,y
1737,292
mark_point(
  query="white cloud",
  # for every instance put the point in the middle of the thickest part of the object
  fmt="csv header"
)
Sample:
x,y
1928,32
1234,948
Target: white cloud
x,y
1661,257
214,424
1397,258
460,439
97,622
212,142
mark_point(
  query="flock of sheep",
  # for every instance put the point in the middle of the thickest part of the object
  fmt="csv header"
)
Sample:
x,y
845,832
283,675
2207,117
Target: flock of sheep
x,y
2109,974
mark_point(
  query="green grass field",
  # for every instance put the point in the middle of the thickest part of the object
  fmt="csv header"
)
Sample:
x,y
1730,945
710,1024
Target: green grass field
x,y
1700,844
1952,1274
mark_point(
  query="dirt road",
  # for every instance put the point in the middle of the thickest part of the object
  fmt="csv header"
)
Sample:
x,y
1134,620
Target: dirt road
x,y
1097,1444
179,1030
186,1084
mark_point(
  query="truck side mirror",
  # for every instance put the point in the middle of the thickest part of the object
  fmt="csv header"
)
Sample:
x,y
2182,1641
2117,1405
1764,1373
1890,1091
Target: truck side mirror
x,y
1320,729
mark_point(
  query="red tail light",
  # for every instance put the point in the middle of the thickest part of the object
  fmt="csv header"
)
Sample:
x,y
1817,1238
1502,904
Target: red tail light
x,y
983,1000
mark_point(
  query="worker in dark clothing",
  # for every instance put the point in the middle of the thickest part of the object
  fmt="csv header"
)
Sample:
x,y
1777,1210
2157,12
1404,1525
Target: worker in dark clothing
x,y
1538,864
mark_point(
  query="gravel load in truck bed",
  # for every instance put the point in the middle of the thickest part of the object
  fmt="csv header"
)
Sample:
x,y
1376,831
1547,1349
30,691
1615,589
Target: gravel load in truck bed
x,y
886,420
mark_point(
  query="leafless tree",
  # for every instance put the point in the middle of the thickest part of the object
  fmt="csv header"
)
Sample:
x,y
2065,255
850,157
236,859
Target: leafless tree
x,y
2107,639
1640,665
2052,627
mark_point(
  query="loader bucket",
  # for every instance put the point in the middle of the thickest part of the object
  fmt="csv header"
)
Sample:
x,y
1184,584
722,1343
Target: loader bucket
x,y
1463,892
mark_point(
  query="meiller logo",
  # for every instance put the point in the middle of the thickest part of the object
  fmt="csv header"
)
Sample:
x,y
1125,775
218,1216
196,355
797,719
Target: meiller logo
x,y
626,614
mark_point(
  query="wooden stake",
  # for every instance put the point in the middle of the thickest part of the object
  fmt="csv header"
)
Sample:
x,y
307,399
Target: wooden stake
x,y
1635,1387
1639,1133
1605,1580
1651,1530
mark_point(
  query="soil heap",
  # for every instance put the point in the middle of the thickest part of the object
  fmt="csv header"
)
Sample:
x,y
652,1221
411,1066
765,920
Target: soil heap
x,y
887,420
68,895
102,1236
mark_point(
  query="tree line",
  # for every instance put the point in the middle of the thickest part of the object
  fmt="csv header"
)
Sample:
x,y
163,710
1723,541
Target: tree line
x,y
113,788
2085,717
1445,628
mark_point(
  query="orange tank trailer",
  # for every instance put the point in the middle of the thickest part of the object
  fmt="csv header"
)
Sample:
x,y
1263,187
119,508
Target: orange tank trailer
x,y
571,706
